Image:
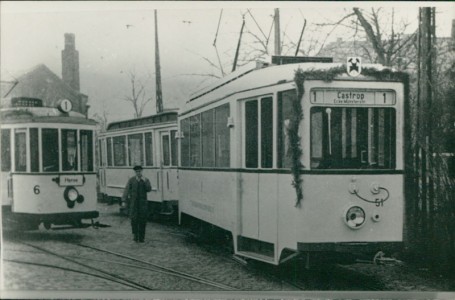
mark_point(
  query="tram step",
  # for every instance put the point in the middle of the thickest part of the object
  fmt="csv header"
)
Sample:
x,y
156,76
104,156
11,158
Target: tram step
x,y
256,256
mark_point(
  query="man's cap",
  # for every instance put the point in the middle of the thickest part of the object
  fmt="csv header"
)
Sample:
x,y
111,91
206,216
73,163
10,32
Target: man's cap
x,y
137,168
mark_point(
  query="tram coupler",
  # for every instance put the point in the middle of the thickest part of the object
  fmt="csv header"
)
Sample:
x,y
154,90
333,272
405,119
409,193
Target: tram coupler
x,y
380,259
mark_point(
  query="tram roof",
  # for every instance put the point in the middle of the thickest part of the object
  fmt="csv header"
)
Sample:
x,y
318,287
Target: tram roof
x,y
261,75
160,118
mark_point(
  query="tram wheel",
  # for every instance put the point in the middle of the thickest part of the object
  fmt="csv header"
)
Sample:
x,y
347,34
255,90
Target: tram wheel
x,y
47,225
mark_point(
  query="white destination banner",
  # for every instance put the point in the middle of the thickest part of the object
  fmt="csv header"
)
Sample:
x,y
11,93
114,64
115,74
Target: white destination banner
x,y
352,97
66,180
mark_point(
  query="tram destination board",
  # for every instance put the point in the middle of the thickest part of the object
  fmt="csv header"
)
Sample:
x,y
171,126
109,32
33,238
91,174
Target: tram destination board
x,y
352,97
26,102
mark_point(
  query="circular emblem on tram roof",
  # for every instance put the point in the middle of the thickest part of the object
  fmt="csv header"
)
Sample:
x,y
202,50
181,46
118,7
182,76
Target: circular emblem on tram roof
x,y
65,105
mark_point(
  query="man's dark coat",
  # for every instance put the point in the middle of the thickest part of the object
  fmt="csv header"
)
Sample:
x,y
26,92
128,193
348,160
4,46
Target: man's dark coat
x,y
138,208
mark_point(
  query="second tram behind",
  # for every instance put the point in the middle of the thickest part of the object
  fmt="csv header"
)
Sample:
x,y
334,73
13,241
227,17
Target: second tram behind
x,y
150,142
47,164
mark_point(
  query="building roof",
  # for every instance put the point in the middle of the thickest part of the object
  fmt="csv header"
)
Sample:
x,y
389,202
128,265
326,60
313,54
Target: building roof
x,y
40,82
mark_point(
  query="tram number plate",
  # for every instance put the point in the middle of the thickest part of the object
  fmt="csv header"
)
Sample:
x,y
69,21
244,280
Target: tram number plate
x,y
66,180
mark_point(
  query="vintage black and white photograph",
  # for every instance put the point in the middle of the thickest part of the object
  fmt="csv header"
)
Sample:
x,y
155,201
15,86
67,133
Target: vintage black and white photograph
x,y
227,150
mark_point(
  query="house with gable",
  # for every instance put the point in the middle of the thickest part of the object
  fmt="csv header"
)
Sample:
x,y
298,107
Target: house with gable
x,y
40,82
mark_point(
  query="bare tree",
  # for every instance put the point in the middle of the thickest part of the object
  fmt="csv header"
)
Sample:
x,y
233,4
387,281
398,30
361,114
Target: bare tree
x,y
138,97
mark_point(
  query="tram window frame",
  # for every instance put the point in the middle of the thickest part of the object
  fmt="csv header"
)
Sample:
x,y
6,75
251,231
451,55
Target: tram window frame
x,y
20,150
109,152
148,143
165,149
259,140
185,143
86,150
50,157
174,148
6,150
284,116
368,129
69,164
140,148
119,151
222,136
34,150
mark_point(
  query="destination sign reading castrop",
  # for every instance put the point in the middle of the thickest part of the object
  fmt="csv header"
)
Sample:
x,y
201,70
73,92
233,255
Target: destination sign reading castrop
x,y
352,97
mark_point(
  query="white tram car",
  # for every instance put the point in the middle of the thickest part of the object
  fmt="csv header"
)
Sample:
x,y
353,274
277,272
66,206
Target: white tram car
x,y
150,142
236,160
47,164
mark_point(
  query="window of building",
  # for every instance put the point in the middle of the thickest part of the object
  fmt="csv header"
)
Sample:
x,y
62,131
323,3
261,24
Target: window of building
x,y
119,151
86,150
6,150
49,144
135,149
148,149
345,137
69,150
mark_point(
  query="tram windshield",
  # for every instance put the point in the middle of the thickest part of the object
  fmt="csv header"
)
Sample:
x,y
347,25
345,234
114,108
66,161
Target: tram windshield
x,y
46,150
352,138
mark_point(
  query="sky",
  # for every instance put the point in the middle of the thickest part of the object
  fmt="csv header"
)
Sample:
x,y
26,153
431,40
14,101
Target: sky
x,y
116,38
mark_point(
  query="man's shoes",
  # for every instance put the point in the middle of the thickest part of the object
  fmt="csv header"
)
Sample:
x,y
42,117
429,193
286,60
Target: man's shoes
x,y
141,241
136,239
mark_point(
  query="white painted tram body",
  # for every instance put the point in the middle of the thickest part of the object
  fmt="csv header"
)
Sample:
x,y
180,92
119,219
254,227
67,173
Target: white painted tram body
x,y
47,164
235,161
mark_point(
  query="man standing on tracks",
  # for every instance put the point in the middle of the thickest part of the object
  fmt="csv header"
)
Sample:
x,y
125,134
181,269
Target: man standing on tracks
x,y
135,198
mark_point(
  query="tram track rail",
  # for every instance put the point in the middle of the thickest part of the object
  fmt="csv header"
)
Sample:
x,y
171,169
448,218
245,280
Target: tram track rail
x,y
137,265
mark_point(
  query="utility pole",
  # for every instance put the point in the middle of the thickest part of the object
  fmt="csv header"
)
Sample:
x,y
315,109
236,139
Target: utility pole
x,y
426,73
277,32
159,93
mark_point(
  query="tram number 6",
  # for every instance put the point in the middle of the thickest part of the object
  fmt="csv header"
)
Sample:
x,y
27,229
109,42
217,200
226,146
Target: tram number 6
x,y
36,189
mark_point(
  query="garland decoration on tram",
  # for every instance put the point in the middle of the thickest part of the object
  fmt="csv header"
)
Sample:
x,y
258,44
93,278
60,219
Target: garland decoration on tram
x,y
326,75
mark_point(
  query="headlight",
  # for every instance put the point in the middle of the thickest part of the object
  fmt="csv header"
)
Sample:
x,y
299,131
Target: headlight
x,y
71,195
355,217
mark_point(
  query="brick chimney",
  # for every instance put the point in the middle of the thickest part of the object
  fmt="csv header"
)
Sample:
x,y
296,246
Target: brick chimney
x,y
70,62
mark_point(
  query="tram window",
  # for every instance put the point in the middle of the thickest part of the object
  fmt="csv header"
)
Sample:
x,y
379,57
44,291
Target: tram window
x,y
195,141
185,142
166,151
119,151
222,134
135,149
208,138
251,134
49,142
86,150
174,148
285,111
34,150
69,150
148,149
20,152
267,132
109,151
343,137
6,150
